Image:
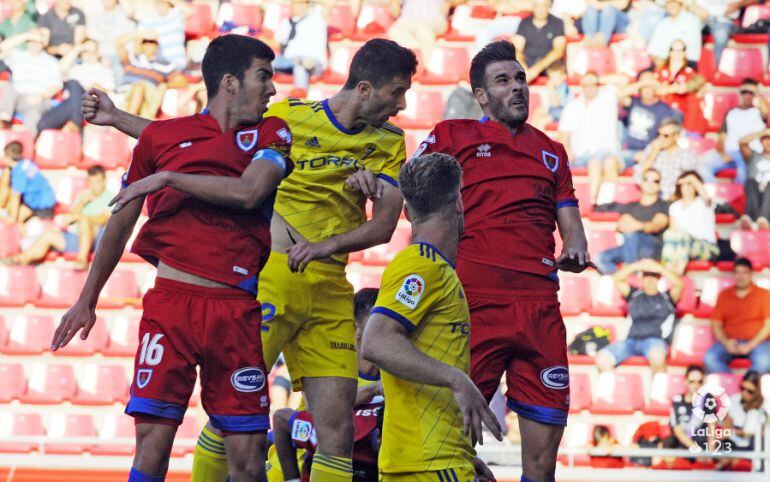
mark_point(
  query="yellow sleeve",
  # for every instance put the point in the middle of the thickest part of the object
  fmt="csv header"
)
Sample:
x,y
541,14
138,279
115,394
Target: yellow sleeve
x,y
410,287
392,167
279,109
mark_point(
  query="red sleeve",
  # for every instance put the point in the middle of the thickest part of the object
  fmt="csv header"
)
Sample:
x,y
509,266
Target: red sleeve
x,y
565,191
274,135
438,140
143,158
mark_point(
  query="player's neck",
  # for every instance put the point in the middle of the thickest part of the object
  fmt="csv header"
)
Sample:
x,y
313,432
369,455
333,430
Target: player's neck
x,y
440,234
344,107
221,111
513,129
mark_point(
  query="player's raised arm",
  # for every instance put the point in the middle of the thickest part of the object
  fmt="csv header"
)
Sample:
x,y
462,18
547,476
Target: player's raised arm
x,y
99,109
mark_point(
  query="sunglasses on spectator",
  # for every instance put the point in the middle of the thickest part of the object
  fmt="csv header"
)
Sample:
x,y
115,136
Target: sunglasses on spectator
x,y
678,49
695,380
651,179
745,91
667,134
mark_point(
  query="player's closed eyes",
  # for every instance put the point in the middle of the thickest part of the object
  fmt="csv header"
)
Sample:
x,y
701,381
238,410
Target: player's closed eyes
x,y
652,179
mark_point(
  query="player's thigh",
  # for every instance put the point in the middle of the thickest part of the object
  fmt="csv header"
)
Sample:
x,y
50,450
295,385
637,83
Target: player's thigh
x,y
246,449
330,401
446,475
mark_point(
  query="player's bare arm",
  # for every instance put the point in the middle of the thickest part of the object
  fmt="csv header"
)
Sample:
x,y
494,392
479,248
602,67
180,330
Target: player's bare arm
x,y
247,192
99,109
386,343
83,313
574,256
378,230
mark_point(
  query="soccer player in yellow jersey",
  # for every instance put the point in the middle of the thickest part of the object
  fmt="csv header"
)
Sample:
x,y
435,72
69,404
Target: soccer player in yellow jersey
x,y
345,150
418,334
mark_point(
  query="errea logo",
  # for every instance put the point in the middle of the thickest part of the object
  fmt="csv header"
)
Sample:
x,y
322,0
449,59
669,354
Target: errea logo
x,y
484,150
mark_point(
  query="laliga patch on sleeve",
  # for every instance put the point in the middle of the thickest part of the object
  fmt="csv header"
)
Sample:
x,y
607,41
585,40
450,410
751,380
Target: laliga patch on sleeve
x,y
411,291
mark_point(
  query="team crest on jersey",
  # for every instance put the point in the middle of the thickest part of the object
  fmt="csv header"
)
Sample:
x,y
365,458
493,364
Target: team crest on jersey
x,y
143,376
411,291
246,140
551,161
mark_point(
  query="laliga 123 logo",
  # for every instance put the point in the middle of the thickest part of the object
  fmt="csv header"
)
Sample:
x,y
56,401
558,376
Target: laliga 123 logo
x,y
710,403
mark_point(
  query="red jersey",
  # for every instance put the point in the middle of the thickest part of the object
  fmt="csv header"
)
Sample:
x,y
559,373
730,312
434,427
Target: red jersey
x,y
688,104
512,187
226,245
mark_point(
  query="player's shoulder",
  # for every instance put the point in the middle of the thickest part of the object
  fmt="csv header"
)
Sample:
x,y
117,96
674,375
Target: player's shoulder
x,y
458,125
391,130
418,257
165,125
542,139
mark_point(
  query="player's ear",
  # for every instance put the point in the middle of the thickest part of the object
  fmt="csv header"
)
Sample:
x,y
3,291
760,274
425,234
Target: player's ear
x,y
230,83
481,96
406,213
365,89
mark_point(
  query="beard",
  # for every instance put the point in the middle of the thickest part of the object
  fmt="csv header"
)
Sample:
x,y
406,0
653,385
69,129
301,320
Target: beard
x,y
502,111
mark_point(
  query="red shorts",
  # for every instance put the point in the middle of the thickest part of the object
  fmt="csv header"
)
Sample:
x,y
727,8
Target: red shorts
x,y
517,329
218,329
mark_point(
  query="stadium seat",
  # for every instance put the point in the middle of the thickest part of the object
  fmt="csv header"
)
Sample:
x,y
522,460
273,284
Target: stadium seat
x,y
108,148
68,188
50,384
712,286
9,239
608,300
23,136
117,426
690,343
58,149
664,387
617,394
200,22
731,382
736,64
275,13
373,20
97,341
424,109
20,425
578,435
3,332
29,335
13,383
467,19
341,21
537,99
752,245
583,193
384,253
447,65
575,295
364,277
240,14
124,337
70,427
339,63
101,385
755,13
121,290
61,288
18,285
716,104
632,61
579,392
730,193
187,433
586,59
601,240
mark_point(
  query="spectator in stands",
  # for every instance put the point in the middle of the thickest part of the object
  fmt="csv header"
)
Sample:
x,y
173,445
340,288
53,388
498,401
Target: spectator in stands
x,y
419,22
757,184
24,191
505,24
741,323
167,21
602,18
644,17
588,129
540,40
642,225
691,233
20,20
85,65
106,26
686,427
63,26
601,447
748,117
680,87
35,80
559,94
719,17
570,12
669,462
665,155
745,418
303,44
679,25
652,315
88,216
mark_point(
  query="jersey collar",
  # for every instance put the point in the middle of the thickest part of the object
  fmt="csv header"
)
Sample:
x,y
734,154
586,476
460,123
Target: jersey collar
x,y
336,123
437,251
486,119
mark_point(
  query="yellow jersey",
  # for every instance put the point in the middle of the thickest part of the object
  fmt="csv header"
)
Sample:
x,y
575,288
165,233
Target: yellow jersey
x,y
314,199
423,426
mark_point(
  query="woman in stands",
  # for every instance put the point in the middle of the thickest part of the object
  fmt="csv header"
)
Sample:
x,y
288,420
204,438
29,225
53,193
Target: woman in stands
x,y
680,87
691,233
744,419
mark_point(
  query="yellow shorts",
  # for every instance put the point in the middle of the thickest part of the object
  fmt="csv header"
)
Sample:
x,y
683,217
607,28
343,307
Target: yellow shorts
x,y
309,317
273,469
460,474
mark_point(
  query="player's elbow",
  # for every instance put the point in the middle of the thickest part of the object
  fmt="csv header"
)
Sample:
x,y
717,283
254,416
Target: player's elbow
x,y
371,351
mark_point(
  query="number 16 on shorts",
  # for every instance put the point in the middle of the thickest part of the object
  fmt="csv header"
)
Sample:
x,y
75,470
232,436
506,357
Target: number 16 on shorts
x,y
150,354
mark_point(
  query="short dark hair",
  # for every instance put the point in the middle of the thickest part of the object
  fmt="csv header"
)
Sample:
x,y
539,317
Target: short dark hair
x,y
231,54
749,81
693,368
379,61
363,301
670,121
743,262
497,51
599,432
96,170
430,182
14,150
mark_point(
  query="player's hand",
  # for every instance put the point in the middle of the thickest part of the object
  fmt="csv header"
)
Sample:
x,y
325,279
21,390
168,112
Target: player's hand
x,y
365,181
574,260
302,252
140,188
98,108
475,410
483,474
81,315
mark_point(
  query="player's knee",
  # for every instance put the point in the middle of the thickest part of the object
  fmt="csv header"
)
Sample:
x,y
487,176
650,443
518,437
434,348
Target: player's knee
x,y
335,433
246,461
248,471
153,448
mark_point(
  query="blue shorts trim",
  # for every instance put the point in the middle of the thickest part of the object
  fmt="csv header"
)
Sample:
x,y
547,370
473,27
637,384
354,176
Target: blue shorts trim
x,y
546,415
396,316
156,408
388,179
241,423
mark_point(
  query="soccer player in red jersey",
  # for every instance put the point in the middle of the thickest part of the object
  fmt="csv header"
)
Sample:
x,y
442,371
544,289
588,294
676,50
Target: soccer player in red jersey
x,y
517,187
202,310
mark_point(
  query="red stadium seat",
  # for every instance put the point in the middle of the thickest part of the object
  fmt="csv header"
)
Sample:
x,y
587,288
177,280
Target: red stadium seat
x,y
690,343
755,13
13,383
373,19
275,13
575,295
586,59
124,337
187,432
61,288
712,286
601,240
579,392
699,144
339,63
626,192
423,110
608,300
57,149
617,394
632,61
200,22
118,426
664,387
20,425
730,382
108,148
29,335
716,104
583,193
121,290
70,426
736,64
9,240
240,14
752,245
447,65
68,189
50,384
18,285
730,193
96,342
23,136
364,277
3,332
342,22
384,253
102,385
